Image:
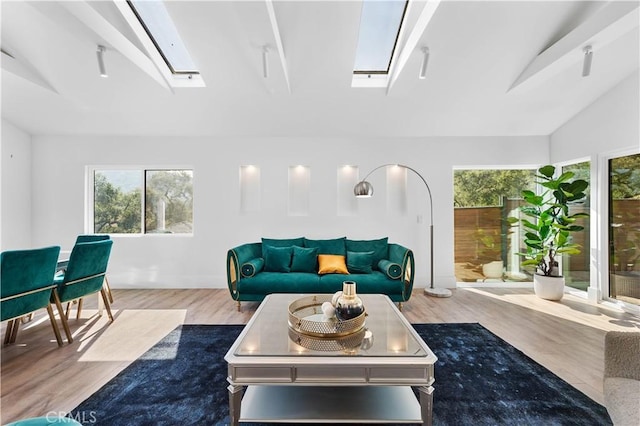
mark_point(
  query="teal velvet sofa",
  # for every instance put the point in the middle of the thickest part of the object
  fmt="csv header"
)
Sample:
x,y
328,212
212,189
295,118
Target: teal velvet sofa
x,y
302,265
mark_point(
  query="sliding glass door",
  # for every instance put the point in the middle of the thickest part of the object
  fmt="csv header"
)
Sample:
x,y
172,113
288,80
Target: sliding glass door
x,y
575,268
624,229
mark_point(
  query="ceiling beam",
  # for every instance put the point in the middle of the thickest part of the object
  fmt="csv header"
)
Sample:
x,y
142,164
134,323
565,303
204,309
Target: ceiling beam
x,y
276,34
24,69
412,41
98,24
607,25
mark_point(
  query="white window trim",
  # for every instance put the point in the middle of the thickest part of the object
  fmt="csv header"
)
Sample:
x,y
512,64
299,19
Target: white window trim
x,y
90,192
602,222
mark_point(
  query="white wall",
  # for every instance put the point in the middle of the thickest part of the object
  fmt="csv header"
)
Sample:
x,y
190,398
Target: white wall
x,y
15,188
154,261
609,127
609,124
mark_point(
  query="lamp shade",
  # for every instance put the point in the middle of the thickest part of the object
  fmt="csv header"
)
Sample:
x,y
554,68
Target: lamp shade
x,y
363,189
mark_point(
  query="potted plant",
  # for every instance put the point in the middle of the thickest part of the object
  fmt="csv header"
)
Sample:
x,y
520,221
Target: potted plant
x,y
547,232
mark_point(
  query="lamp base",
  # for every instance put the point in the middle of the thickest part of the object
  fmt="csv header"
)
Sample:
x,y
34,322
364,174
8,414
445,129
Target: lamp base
x,y
437,292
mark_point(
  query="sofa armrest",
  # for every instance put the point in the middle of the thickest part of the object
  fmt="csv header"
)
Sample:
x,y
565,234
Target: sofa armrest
x,y
622,354
403,257
235,258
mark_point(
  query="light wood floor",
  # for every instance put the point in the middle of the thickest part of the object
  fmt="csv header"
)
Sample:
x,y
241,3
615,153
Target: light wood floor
x,y
38,377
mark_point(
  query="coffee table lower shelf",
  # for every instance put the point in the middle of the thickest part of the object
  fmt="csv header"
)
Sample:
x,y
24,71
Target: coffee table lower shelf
x,y
330,404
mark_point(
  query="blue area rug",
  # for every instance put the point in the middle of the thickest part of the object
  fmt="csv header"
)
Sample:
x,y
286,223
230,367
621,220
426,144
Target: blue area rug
x,y
480,380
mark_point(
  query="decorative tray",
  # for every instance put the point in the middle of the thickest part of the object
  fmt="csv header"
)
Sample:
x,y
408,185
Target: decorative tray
x,y
349,343
306,317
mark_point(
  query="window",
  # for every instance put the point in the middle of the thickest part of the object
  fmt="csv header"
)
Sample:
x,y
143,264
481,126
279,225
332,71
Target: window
x,y
575,268
486,242
624,229
380,24
155,19
120,208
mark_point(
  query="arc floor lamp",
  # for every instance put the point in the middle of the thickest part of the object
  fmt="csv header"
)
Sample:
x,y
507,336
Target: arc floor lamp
x,y
364,189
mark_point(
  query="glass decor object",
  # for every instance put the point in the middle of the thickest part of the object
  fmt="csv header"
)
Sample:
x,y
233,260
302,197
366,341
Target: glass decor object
x,y
349,305
306,317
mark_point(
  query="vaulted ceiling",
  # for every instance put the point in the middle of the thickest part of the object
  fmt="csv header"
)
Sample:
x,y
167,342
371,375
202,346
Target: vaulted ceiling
x,y
495,68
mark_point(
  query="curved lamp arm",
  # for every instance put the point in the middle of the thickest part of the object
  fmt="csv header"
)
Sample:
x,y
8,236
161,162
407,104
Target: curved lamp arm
x,y
364,188
419,175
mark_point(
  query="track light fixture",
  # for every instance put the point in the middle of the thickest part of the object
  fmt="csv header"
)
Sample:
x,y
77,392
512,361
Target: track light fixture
x,y
265,61
586,64
100,53
425,60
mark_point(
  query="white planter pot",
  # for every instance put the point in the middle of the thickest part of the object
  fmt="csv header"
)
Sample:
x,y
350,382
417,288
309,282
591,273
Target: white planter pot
x,y
550,288
493,269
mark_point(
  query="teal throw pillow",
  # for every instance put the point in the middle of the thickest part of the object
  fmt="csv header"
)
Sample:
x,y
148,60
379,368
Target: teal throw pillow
x,y
332,246
393,270
252,267
304,259
282,242
277,259
379,247
359,262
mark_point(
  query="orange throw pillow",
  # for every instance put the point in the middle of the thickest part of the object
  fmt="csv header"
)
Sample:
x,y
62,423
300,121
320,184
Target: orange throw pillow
x,y
332,264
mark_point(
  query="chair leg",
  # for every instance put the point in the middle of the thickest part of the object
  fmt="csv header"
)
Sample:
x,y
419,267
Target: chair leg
x,y
79,308
8,331
67,310
54,325
239,308
63,318
108,288
14,330
27,318
105,298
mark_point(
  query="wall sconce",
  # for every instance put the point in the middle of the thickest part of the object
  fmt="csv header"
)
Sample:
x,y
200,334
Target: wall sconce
x,y
101,67
586,64
265,61
425,61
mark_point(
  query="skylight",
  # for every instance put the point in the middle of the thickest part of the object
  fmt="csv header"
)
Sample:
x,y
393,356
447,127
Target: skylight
x,y
380,23
159,26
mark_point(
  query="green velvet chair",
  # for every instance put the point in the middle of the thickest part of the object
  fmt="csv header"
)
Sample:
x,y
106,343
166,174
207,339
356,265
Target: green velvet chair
x,y
26,282
85,238
83,276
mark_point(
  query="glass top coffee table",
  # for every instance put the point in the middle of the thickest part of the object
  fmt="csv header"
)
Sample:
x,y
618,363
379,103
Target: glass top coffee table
x,y
276,375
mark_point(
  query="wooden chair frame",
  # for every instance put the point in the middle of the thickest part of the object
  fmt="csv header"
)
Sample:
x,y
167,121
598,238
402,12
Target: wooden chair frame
x,y
13,324
64,315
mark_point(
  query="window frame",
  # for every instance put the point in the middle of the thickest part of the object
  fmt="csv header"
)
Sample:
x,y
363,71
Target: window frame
x,y
370,73
154,39
90,198
173,80
603,286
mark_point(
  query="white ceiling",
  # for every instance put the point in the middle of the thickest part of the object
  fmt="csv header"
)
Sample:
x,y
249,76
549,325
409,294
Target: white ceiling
x,y
478,50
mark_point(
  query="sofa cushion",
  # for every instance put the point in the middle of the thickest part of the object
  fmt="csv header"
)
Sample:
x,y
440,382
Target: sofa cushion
x,y
332,246
331,264
373,283
622,399
276,282
392,270
379,248
252,267
304,259
277,259
359,262
283,242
